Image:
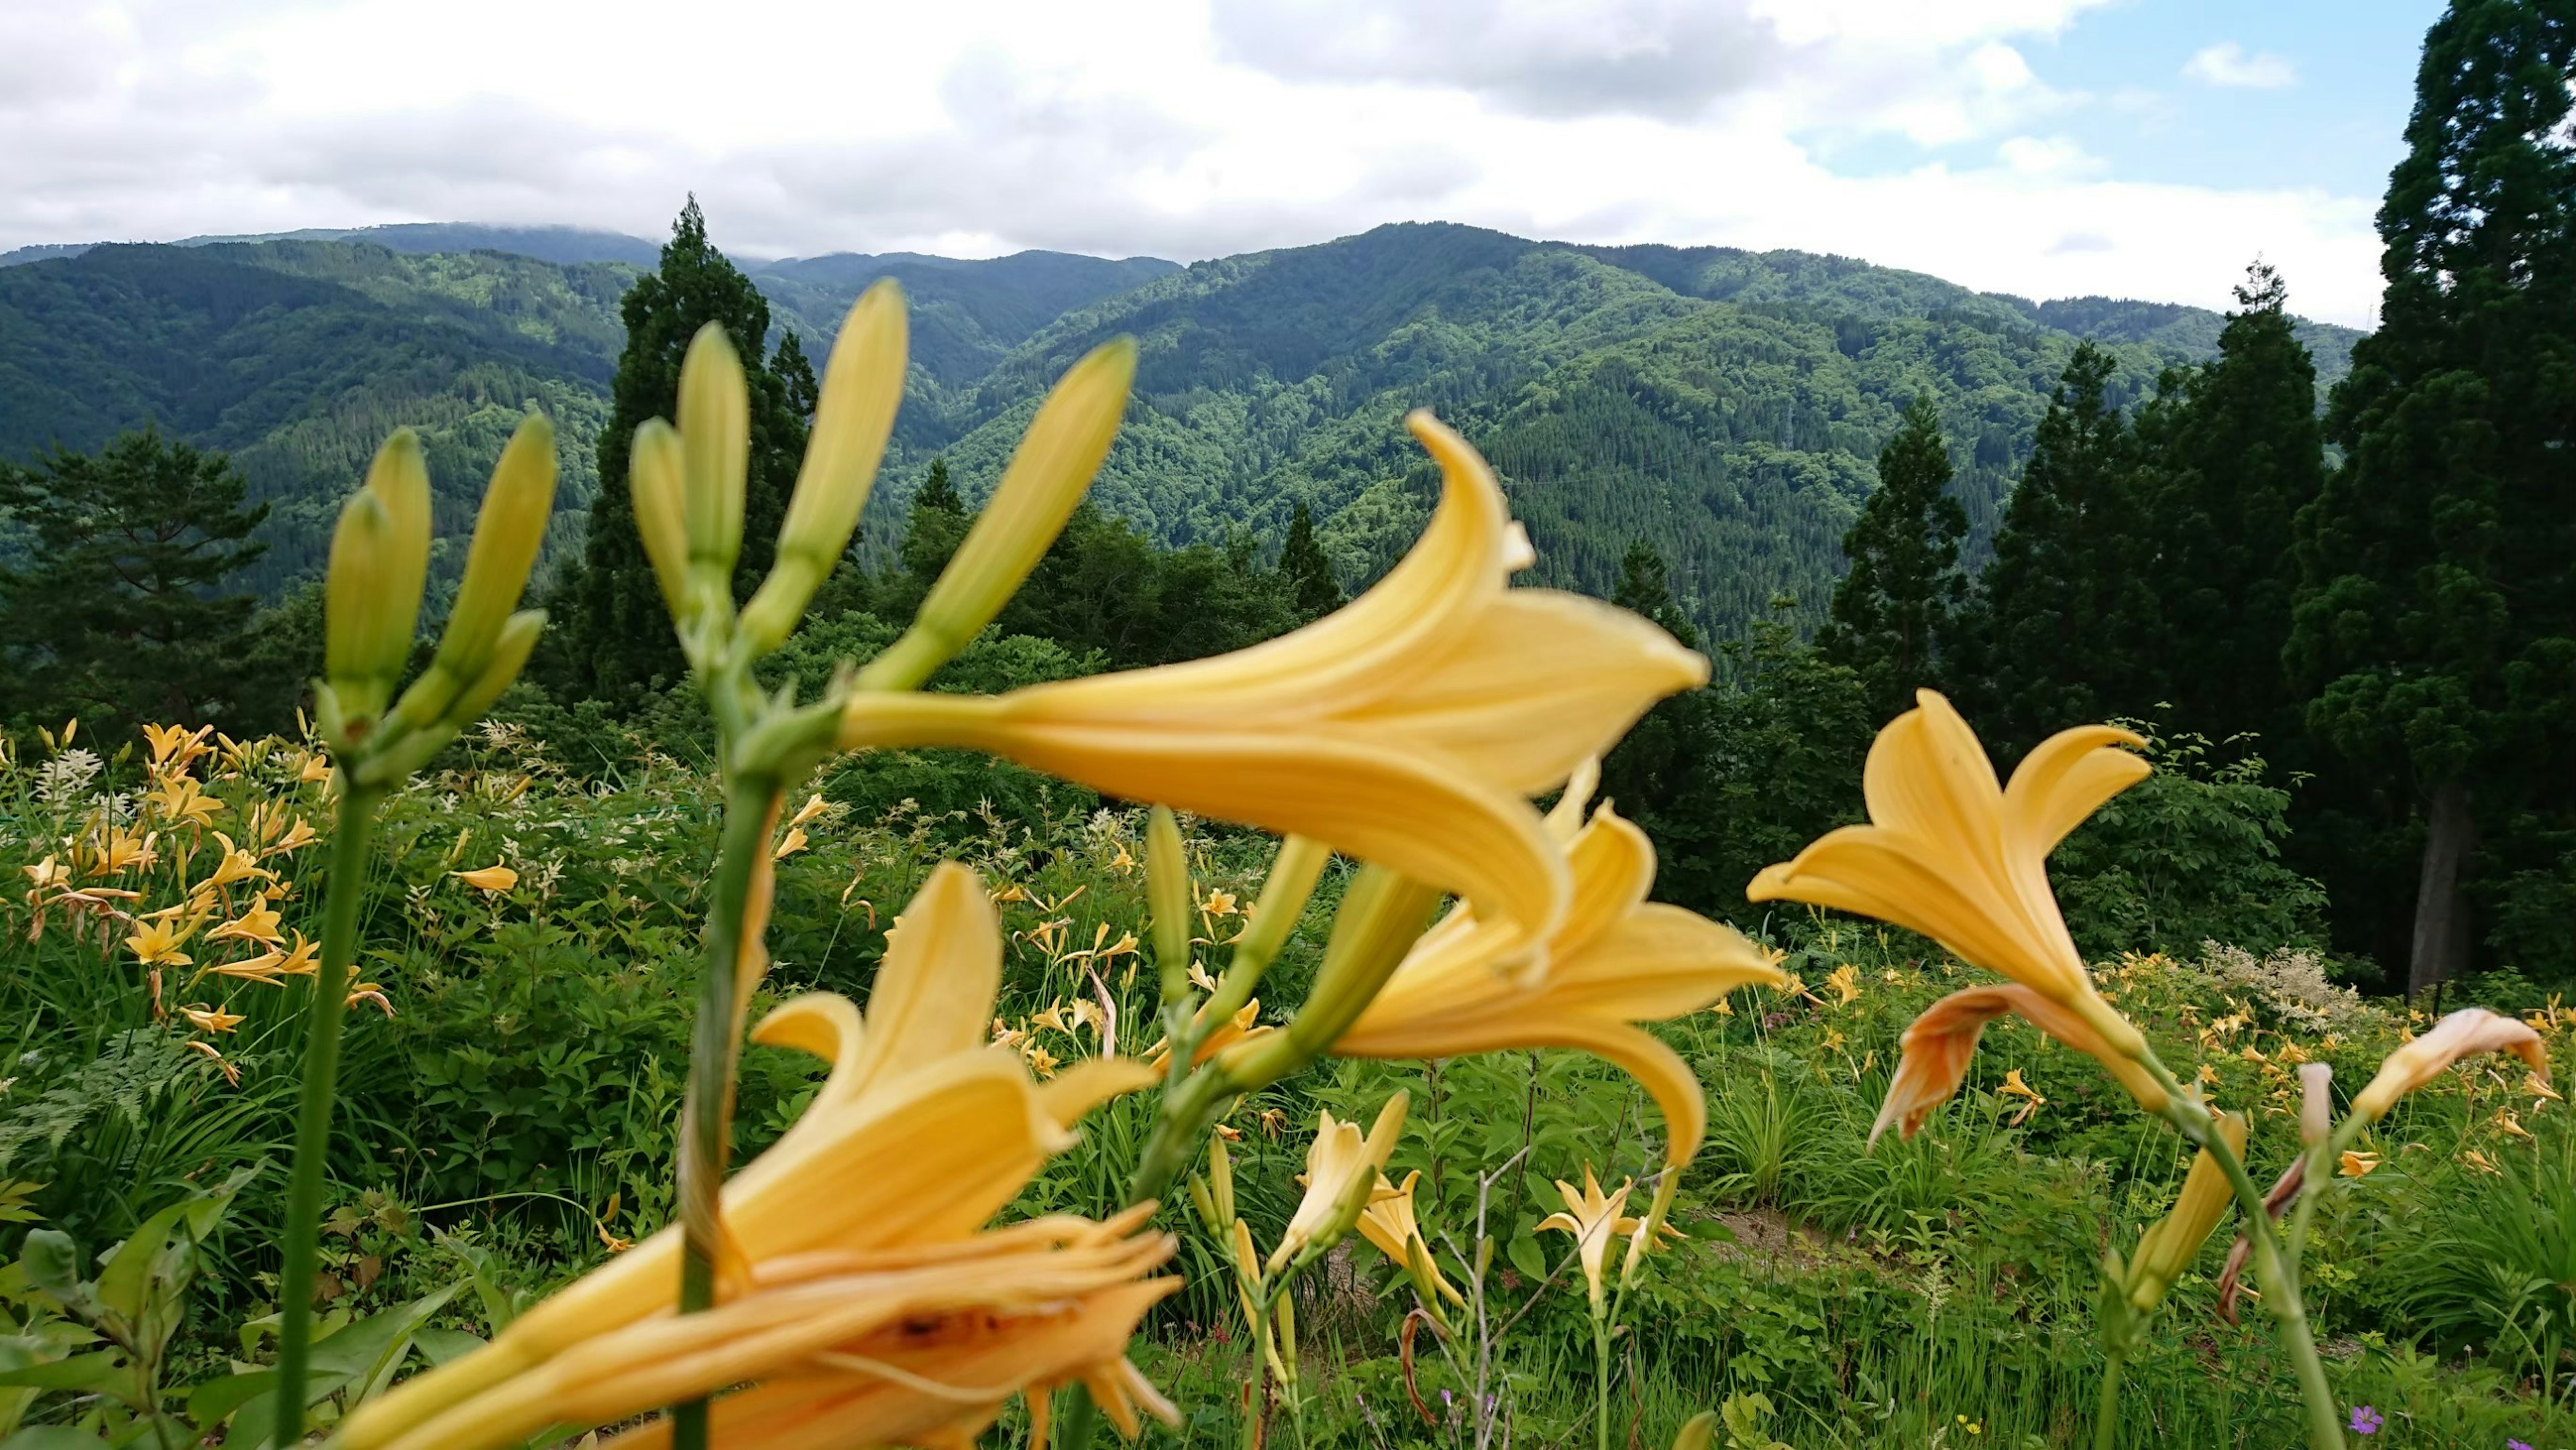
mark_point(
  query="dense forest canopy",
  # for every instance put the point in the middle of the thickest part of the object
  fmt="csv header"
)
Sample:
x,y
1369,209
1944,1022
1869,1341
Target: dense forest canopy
x,y
1724,405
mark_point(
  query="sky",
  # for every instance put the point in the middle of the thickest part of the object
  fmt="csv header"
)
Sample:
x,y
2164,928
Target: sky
x,y
2134,148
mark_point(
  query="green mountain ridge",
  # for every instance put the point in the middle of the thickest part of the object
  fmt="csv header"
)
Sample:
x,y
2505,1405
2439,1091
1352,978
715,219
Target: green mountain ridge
x,y
1724,404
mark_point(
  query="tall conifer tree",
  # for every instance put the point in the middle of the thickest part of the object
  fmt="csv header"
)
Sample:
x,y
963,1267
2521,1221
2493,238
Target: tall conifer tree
x,y
616,638
2233,451
2057,634
1905,581
2435,625
1309,575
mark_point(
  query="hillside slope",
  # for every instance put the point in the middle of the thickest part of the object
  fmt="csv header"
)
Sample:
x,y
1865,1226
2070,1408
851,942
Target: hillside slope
x,y
1724,405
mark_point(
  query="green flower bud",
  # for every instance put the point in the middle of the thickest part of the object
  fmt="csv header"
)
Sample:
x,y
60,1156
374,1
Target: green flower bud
x,y
1048,475
371,597
509,531
861,390
715,439
655,479
1167,896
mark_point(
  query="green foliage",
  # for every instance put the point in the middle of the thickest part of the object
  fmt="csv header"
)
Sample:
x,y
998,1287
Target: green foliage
x,y
612,639
111,588
1905,584
2057,635
1311,585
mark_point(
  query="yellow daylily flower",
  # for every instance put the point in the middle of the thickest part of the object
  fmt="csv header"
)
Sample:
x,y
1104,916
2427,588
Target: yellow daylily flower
x,y
1615,960
1954,855
2013,1087
788,845
919,1135
174,747
156,943
179,799
1389,1224
1936,1050
210,1019
1594,1218
1343,1170
805,814
496,878
259,924
123,851
1243,1026
2168,1247
235,864
2355,1164
1405,729
2465,1033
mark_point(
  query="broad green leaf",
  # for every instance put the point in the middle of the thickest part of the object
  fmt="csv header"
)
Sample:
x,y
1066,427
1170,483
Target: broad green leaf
x,y
126,1284
52,1264
91,1373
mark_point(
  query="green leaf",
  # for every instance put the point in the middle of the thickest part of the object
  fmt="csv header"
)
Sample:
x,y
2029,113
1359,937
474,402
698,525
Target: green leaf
x,y
89,1373
52,1264
439,1346
51,1437
212,1403
1526,1256
126,1283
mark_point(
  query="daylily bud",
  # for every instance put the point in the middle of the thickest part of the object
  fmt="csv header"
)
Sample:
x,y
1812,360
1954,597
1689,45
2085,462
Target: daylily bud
x,y
861,389
1381,916
2316,1102
422,739
379,561
508,532
2464,1033
518,638
1221,1180
1200,1200
1167,895
715,440
2169,1247
655,480
1064,447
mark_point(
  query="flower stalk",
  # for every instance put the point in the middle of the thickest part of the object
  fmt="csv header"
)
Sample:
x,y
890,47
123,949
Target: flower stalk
x,y
350,839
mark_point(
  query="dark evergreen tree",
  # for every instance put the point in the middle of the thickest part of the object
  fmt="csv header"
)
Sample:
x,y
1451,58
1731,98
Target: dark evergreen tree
x,y
2057,634
931,533
117,603
1905,582
2434,632
615,631
1645,586
2233,452
1309,575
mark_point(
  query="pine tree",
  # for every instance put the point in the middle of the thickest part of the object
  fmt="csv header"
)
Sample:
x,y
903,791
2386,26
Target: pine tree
x,y
2433,631
1905,582
615,631
931,533
2063,613
1308,574
2234,451
1646,587
118,605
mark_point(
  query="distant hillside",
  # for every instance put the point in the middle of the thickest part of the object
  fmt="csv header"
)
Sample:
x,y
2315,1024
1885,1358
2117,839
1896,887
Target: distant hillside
x,y
567,245
1726,405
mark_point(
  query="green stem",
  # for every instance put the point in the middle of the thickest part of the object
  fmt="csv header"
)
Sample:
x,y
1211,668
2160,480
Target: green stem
x,y
2106,1420
2280,1279
350,838
1600,1379
707,1113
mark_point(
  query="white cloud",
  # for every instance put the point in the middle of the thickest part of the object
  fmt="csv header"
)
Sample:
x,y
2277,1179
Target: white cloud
x,y
2228,64
1182,128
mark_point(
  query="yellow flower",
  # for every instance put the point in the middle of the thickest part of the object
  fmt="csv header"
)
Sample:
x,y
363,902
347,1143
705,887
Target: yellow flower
x,y
1844,983
793,842
1952,854
1404,729
2465,1033
2357,1165
1615,960
210,1019
1343,1170
259,924
861,1221
156,943
123,851
235,865
2169,1246
1241,1027
175,747
496,878
1594,1218
2014,1087
1389,1223
814,806
179,799
301,961
1937,1048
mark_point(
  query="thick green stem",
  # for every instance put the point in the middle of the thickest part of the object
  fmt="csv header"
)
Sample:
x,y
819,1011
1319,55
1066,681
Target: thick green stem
x,y
1600,1380
2106,1420
349,841
715,1041
2280,1279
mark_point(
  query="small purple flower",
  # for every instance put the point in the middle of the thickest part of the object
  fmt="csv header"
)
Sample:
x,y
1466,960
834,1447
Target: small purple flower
x,y
2365,1420
2517,1445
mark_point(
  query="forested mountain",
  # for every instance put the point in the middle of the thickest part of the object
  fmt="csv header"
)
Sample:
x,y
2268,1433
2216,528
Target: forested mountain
x,y
1724,405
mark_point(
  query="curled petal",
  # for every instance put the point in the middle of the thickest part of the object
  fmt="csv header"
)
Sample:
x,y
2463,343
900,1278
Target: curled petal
x,y
2465,1033
1940,1043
